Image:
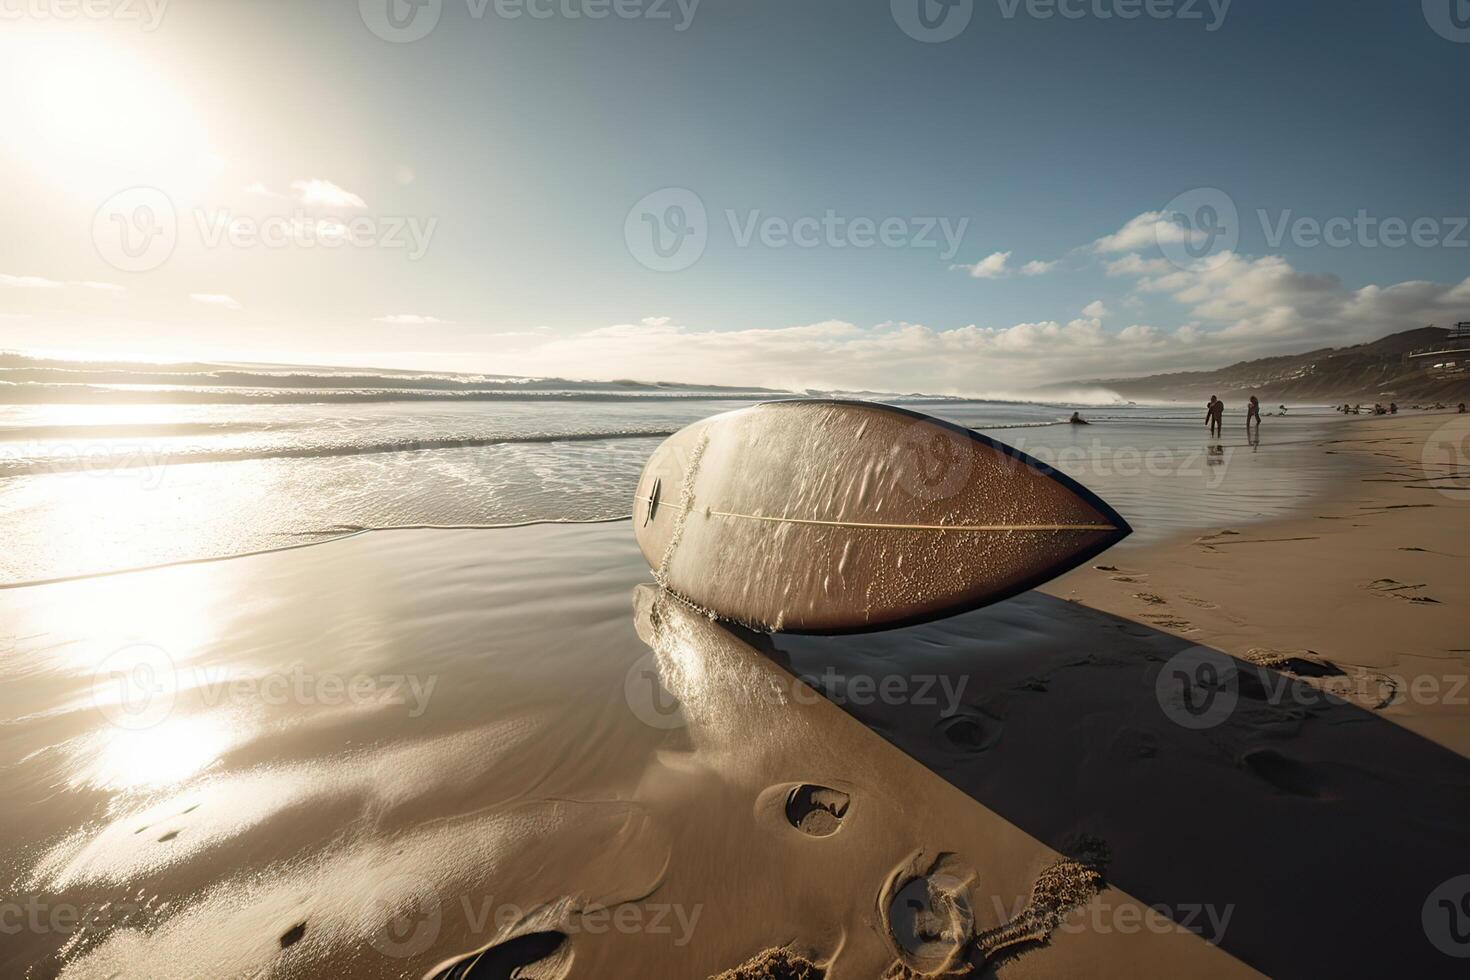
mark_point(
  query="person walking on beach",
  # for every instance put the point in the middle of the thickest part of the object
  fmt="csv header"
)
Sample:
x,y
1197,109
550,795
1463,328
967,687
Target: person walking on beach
x,y
1253,412
1215,415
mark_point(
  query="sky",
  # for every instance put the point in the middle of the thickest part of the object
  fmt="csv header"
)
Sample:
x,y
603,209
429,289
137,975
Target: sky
x,y
952,196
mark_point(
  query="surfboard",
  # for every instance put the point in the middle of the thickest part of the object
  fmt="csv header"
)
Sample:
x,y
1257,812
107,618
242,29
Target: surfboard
x,y
826,516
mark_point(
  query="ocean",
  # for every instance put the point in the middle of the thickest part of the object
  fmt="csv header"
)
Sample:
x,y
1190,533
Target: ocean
x,y
112,466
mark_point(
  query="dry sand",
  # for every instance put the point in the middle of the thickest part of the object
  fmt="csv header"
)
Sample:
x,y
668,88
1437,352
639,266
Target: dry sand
x,y
382,756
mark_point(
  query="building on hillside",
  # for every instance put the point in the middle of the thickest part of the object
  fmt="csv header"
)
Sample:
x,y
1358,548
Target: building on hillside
x,y
1448,358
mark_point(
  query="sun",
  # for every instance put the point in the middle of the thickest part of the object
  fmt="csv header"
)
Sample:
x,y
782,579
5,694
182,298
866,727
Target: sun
x,y
89,114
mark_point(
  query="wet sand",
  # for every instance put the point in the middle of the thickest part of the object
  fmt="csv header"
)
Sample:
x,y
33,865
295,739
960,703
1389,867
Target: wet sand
x,y
1370,579
381,756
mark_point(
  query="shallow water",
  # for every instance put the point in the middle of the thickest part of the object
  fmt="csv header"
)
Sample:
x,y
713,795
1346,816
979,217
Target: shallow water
x,y
87,488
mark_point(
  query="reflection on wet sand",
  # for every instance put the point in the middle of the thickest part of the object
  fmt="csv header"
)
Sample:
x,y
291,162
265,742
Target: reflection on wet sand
x,y
549,790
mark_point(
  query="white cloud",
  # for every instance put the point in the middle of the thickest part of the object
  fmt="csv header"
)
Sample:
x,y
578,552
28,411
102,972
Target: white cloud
x,y
260,190
39,282
997,265
1278,307
216,299
1150,229
1134,264
1096,310
993,266
318,193
29,282
409,319
1138,333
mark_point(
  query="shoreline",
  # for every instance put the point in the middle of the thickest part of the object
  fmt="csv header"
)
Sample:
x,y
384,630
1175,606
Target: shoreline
x,y
328,538
331,534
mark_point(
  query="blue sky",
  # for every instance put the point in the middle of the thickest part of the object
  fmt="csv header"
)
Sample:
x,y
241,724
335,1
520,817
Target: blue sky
x,y
485,182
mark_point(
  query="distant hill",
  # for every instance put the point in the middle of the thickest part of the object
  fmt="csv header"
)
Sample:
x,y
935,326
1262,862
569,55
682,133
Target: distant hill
x,y
1366,372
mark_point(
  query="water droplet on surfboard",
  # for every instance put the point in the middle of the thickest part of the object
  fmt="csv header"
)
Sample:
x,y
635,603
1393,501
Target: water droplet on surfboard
x,y
835,517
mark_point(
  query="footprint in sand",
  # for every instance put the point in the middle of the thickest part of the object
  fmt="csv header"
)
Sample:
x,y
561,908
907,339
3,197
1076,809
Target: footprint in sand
x,y
972,731
168,836
293,935
1171,623
927,915
817,810
1386,692
1309,664
1282,772
508,960
1219,537
1150,598
1399,590
1364,688
1121,574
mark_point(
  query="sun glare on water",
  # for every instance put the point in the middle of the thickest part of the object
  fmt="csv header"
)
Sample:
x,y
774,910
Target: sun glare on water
x,y
169,753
